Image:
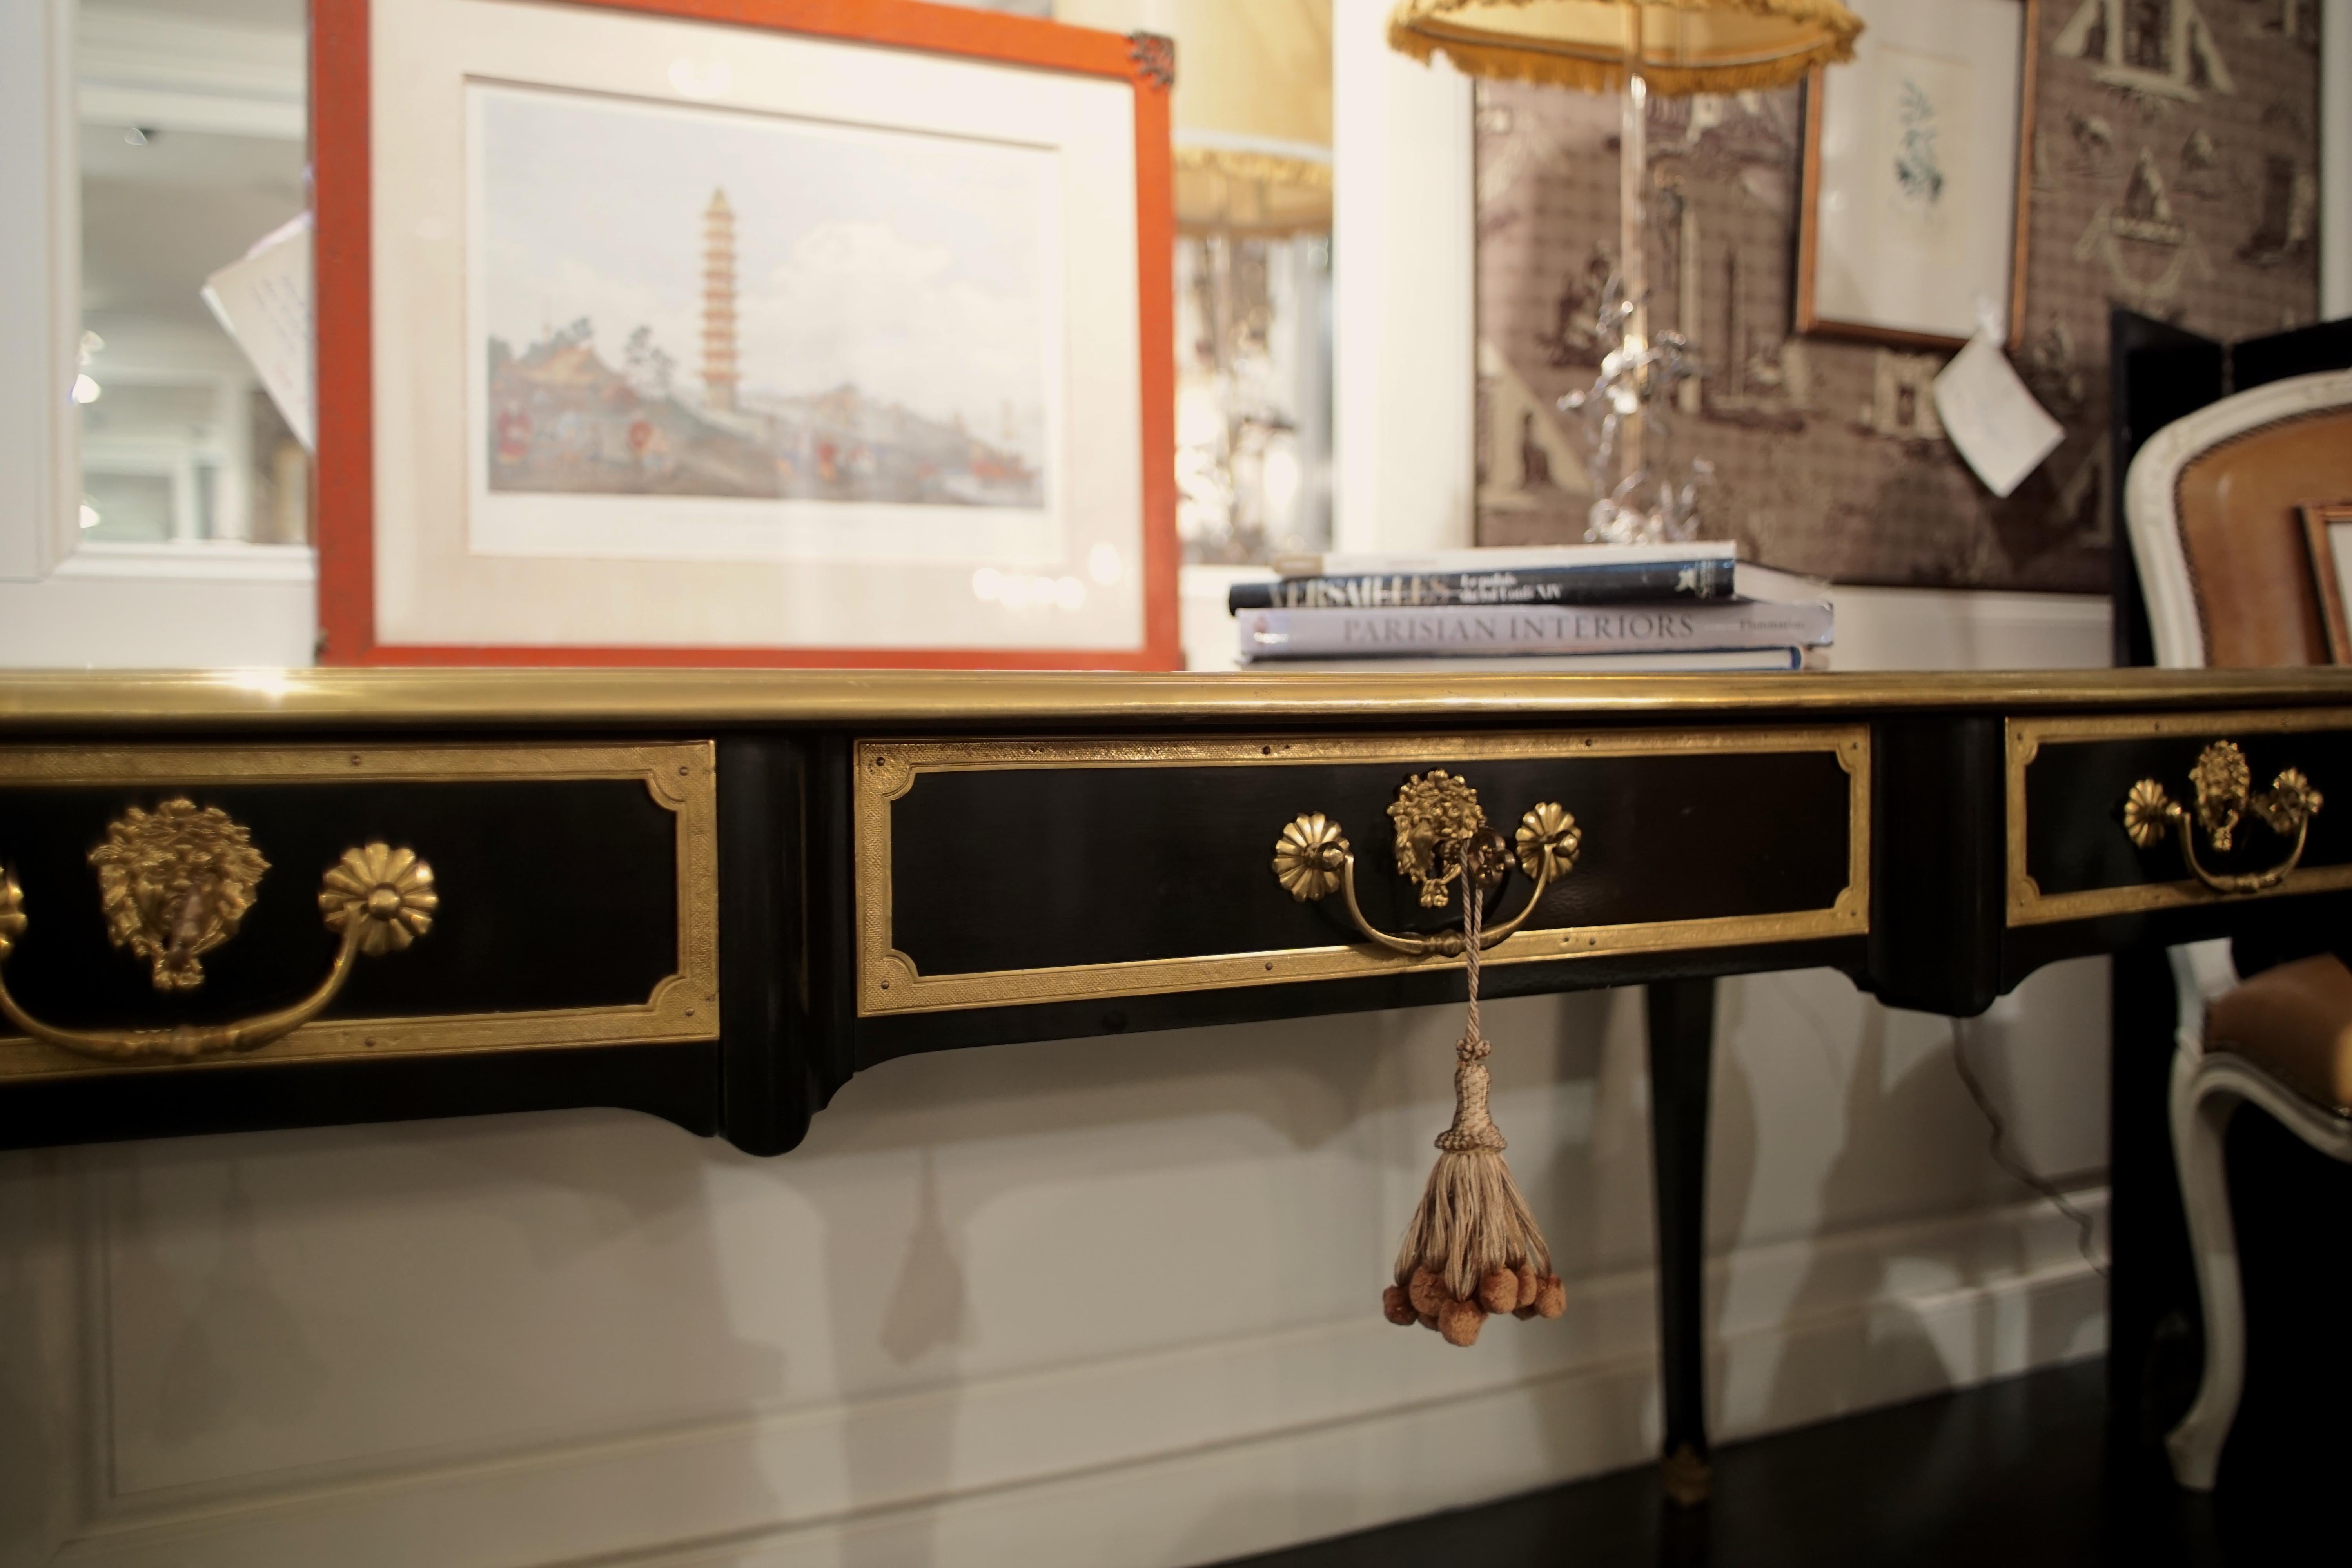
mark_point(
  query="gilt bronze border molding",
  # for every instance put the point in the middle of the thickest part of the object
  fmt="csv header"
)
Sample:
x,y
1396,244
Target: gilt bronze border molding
x,y
283,700
681,778
889,984
2029,905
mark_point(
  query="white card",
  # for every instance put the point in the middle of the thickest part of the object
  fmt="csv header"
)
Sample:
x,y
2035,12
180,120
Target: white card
x,y
263,301
1990,417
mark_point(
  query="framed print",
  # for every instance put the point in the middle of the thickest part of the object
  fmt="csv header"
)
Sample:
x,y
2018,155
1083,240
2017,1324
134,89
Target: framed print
x,y
1911,223
2327,530
742,332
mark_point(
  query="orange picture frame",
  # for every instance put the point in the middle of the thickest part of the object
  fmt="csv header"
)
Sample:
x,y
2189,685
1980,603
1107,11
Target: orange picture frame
x,y
342,135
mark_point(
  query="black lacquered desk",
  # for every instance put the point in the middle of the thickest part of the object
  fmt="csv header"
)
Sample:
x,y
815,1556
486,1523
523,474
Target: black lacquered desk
x,y
252,901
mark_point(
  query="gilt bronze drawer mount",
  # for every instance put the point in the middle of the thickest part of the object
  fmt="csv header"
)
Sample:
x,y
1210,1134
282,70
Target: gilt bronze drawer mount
x,y
572,901
175,883
2129,814
2225,794
993,871
1442,833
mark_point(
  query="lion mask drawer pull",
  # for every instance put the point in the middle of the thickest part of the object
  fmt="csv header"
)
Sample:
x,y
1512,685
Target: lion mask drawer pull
x,y
175,883
2225,786
1440,827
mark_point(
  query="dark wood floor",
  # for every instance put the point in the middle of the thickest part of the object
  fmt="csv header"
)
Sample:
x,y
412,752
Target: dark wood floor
x,y
2013,1475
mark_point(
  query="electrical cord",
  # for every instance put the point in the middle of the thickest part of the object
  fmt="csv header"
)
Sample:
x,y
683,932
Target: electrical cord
x,y
2006,1158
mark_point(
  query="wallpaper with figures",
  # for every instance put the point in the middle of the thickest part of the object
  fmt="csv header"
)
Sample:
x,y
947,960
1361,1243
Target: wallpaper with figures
x,y
2174,171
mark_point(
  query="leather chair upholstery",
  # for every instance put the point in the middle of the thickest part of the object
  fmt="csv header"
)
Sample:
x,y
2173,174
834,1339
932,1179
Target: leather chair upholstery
x,y
2212,502
2295,1022
2249,570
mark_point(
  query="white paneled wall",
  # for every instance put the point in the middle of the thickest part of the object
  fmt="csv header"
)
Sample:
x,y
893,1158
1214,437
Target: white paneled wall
x,y
1103,1302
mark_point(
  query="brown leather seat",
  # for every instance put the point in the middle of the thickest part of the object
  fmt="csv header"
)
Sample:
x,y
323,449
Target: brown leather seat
x,y
2295,1022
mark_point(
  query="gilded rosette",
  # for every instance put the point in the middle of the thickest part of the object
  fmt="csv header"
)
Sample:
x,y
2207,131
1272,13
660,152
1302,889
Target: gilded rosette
x,y
2147,812
390,890
1309,855
2289,803
12,913
1547,842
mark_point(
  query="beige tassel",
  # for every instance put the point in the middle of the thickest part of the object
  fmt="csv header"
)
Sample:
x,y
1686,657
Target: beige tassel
x,y
1473,1247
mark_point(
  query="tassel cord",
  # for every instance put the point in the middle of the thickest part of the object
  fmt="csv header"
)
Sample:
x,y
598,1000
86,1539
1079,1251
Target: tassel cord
x,y
1473,1127
1473,1247
1474,913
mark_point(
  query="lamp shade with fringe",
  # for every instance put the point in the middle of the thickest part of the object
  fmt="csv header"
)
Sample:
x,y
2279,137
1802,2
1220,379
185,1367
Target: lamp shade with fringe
x,y
1676,47
1251,112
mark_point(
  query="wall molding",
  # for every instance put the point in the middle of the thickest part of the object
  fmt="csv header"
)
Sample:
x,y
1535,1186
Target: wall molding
x,y
40,270
1970,628
210,559
1253,1443
175,73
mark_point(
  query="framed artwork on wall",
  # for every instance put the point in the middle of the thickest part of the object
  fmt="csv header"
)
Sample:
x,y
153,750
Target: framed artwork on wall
x,y
2327,530
1917,173
742,332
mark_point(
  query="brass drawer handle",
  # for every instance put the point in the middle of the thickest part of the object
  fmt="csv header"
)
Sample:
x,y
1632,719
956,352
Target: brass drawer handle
x,y
1440,834
2224,795
175,883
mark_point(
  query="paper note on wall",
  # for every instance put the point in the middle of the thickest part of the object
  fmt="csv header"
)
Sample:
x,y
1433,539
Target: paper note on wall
x,y
1992,420
263,301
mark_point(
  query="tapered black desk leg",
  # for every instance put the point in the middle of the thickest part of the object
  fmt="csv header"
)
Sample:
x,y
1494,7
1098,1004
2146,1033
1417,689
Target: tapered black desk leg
x,y
1682,1061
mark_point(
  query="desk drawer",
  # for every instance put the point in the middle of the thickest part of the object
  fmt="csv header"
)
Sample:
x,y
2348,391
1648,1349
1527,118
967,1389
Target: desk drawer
x,y
991,872
2071,856
573,897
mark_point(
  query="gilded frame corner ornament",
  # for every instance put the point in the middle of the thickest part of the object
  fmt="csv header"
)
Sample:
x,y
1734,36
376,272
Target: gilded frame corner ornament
x,y
2220,783
681,778
888,981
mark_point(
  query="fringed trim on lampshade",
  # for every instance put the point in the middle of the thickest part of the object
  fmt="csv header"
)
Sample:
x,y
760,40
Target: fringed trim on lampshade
x,y
1262,168
1238,190
1420,28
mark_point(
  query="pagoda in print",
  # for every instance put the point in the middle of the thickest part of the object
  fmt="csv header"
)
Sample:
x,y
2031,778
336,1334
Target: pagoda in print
x,y
719,371
568,420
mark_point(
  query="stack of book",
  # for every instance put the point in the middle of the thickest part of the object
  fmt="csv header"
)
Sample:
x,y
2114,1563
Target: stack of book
x,y
1577,607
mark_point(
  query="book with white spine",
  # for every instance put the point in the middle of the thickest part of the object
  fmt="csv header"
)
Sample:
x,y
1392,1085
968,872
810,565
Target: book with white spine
x,y
1709,662
1472,631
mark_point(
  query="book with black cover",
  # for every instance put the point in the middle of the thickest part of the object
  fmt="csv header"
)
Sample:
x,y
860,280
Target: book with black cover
x,y
1597,583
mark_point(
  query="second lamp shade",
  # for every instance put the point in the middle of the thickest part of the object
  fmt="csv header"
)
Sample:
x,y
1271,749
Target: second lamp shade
x,y
1676,47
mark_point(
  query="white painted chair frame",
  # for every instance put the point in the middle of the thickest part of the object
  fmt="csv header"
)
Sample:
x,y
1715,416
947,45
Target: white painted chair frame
x,y
2208,1087
2152,497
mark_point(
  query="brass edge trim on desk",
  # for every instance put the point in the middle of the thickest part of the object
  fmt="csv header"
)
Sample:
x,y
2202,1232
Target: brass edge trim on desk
x,y
2029,905
867,699
682,777
888,983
